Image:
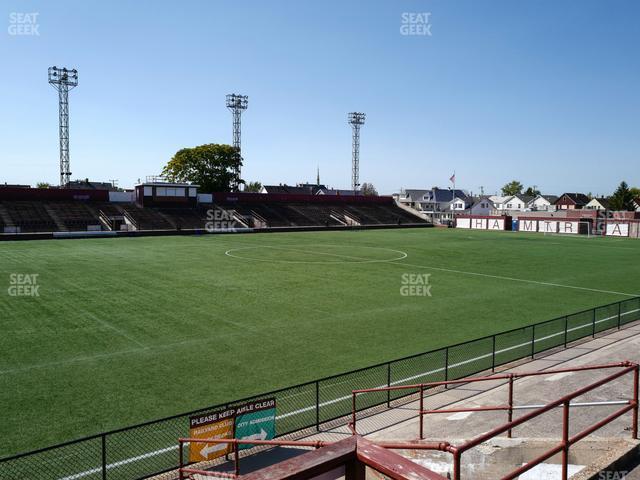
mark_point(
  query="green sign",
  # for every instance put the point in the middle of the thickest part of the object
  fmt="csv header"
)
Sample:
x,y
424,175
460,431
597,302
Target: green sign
x,y
256,421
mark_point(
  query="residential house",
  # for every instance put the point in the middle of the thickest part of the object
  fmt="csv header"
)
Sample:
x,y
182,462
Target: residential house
x,y
410,198
598,204
439,204
483,206
518,203
572,201
543,203
499,201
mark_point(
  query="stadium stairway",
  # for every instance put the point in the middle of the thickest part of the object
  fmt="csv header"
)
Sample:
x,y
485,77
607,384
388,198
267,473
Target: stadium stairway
x,y
5,219
56,219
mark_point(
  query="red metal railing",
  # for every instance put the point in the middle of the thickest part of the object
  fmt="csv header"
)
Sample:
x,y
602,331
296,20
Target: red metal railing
x,y
563,402
440,446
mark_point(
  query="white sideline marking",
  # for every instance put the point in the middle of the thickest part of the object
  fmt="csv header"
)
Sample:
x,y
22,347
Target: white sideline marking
x,y
402,256
459,416
557,376
120,463
513,279
345,397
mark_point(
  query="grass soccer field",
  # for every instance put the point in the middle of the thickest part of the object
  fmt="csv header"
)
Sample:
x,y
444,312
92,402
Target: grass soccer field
x,y
131,329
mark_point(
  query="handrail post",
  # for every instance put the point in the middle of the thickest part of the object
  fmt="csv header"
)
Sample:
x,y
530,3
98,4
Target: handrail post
x,y
593,333
510,411
456,465
317,406
421,410
103,442
566,330
180,453
236,458
493,355
389,385
565,440
634,427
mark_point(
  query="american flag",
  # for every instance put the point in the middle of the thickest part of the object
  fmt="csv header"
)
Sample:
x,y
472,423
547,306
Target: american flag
x,y
453,178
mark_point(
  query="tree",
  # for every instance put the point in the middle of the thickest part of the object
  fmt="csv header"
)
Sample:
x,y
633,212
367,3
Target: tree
x,y
43,185
368,189
253,187
210,166
635,191
532,192
512,188
622,198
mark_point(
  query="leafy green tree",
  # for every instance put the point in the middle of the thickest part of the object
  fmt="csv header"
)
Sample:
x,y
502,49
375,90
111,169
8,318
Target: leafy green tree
x,y
532,192
622,198
512,188
212,166
635,191
368,189
253,187
43,185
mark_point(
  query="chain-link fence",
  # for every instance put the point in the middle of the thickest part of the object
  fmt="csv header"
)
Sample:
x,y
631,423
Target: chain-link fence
x,y
151,448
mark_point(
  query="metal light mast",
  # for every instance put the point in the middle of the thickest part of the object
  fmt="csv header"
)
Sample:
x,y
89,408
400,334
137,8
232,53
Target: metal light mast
x,y
237,104
63,80
356,120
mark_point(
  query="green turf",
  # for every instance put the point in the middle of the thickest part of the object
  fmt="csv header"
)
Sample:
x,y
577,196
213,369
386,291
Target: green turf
x,y
131,329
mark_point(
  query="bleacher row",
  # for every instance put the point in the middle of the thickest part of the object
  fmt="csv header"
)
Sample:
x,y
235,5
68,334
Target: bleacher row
x,y
52,216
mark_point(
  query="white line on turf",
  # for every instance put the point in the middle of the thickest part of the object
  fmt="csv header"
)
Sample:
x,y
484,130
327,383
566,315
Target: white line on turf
x,y
514,279
402,256
343,398
442,269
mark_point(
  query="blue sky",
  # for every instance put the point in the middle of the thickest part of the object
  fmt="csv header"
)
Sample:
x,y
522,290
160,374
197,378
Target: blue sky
x,y
546,92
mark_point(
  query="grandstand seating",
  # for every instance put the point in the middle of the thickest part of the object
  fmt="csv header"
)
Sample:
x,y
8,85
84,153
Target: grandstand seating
x,y
30,216
146,218
185,218
76,215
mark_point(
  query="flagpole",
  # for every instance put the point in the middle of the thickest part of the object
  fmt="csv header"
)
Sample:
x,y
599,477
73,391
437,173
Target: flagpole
x,y
453,195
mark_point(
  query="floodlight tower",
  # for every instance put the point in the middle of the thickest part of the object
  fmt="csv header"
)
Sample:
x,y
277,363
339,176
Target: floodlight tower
x,y
356,120
237,104
63,80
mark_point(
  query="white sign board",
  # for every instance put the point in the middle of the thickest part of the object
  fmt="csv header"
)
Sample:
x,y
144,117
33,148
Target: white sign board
x,y
528,226
568,227
463,222
479,223
617,229
495,224
547,226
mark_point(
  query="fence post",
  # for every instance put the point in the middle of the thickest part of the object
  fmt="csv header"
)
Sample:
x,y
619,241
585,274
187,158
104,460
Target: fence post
x,y
446,366
493,355
566,330
619,314
389,384
533,341
103,441
317,406
593,333
510,410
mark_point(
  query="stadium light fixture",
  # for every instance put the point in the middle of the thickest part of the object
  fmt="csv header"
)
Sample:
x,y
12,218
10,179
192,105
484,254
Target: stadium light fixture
x,y
63,80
